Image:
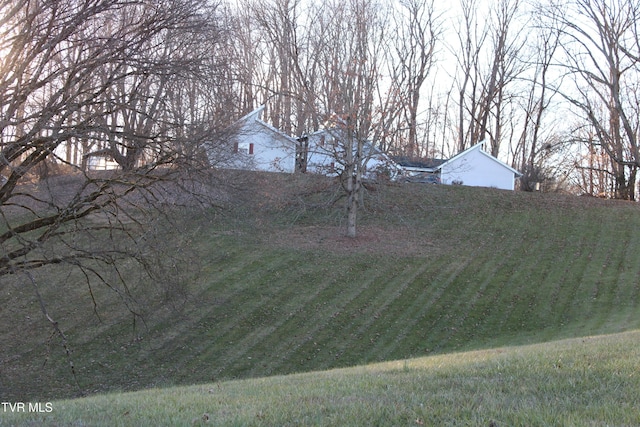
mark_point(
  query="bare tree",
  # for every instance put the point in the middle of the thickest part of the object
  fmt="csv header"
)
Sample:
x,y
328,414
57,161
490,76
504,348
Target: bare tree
x,y
471,39
350,63
417,33
602,56
482,86
505,66
592,165
94,74
537,138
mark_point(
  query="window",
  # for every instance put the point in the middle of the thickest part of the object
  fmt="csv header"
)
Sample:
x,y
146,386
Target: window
x,y
244,148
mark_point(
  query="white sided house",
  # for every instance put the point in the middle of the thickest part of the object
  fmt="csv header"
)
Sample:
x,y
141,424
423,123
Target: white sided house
x,y
473,167
258,146
476,168
324,153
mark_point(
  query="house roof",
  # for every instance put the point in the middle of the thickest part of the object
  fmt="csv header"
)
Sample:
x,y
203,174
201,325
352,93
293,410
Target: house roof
x,y
369,148
479,147
255,116
257,113
418,163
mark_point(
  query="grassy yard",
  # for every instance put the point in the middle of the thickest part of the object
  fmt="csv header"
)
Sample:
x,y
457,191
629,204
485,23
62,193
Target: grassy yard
x,y
435,270
591,381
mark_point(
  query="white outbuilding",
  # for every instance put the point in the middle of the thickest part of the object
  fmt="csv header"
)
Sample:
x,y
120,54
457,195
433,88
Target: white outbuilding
x,y
476,168
473,167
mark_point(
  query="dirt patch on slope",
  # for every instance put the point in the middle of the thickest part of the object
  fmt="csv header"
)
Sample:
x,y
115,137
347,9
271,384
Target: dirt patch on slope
x,y
369,239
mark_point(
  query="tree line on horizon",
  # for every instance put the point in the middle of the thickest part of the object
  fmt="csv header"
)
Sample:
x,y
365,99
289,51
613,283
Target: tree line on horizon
x,y
551,86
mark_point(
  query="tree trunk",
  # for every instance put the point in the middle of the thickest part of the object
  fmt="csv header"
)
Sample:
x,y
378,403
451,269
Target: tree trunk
x,y
352,208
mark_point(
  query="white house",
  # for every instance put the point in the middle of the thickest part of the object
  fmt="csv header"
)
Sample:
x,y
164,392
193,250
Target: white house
x,y
477,168
256,145
324,153
473,167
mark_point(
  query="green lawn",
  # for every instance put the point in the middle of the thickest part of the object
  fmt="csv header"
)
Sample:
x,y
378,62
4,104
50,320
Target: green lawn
x,y
436,270
591,381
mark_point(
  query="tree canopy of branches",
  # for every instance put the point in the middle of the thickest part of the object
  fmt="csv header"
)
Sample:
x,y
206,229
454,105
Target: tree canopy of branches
x,y
146,84
129,81
451,77
601,43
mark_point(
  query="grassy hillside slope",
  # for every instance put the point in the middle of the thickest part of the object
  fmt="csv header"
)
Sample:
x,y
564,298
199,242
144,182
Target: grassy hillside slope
x,y
436,269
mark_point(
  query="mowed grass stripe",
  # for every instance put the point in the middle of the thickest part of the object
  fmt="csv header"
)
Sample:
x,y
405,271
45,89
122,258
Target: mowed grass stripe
x,y
453,306
629,289
382,336
260,307
223,315
376,312
412,300
514,290
324,293
325,342
302,350
439,289
288,312
616,281
409,317
546,292
592,252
